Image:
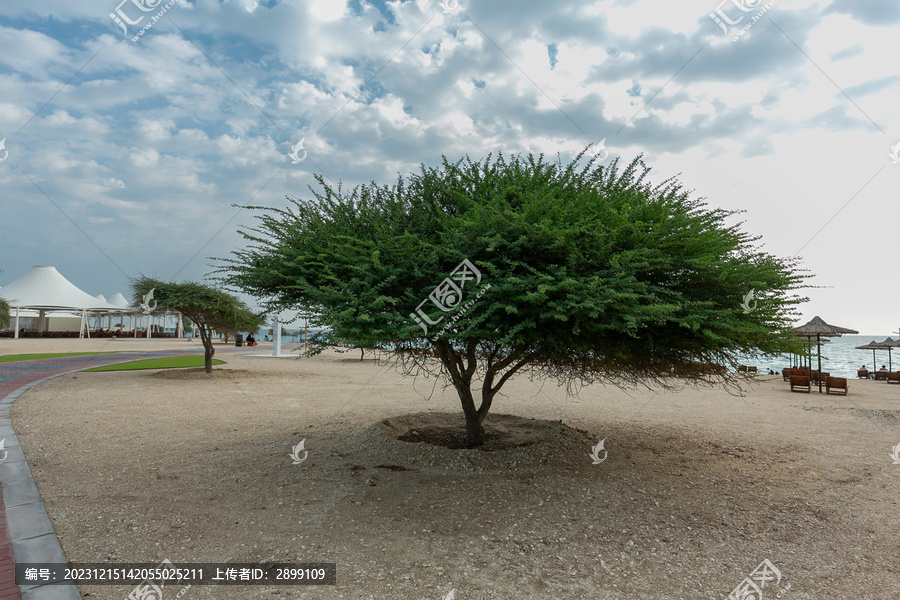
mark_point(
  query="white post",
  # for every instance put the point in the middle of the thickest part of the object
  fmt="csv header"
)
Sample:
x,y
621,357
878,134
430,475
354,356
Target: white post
x,y
17,323
276,337
149,325
180,332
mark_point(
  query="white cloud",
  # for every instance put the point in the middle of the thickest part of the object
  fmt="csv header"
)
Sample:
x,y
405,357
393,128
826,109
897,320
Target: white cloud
x,y
150,144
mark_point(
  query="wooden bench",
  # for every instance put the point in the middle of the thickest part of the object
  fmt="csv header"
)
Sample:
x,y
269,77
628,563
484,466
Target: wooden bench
x,y
862,373
838,384
893,377
800,383
880,375
786,373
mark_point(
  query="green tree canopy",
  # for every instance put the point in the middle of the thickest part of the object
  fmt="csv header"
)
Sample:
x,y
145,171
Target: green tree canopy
x,y
585,273
4,313
208,308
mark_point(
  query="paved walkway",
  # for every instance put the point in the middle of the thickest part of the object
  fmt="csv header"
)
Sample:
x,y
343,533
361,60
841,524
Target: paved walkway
x,y
26,534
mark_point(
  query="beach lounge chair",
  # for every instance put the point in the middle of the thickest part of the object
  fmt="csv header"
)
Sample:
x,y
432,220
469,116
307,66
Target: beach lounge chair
x,y
786,373
862,373
751,369
881,375
838,384
800,383
742,368
893,377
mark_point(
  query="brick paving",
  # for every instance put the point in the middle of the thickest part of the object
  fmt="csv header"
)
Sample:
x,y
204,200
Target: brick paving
x,y
17,375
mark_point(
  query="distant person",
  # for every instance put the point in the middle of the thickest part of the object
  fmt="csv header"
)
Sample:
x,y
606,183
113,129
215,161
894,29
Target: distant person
x,y
771,372
883,368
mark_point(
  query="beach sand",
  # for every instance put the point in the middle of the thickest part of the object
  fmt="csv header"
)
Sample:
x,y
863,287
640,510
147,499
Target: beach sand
x,y
698,488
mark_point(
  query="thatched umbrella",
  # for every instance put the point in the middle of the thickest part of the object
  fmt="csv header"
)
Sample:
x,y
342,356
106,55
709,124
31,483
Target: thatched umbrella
x,y
819,328
887,344
873,346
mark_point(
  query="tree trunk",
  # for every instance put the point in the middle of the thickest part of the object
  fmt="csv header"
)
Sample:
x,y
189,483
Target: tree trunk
x,y
207,361
208,349
362,353
474,430
461,376
462,368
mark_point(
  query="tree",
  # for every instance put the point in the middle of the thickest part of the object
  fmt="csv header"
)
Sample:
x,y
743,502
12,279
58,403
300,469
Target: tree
x,y
207,307
236,321
582,274
5,317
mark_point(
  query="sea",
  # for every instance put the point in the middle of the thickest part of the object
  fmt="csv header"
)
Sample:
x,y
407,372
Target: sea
x,y
839,356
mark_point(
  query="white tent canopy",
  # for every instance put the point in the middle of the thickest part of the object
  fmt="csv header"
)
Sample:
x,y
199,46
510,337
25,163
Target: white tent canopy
x,y
119,300
44,288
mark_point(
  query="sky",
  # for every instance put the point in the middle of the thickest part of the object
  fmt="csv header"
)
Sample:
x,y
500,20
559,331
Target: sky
x,y
133,131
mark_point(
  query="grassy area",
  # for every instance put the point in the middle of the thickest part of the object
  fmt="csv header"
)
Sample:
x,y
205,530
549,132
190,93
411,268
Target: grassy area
x,y
20,357
174,362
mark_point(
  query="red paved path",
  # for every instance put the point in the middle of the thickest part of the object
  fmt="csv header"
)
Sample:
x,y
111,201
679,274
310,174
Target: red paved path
x,y
8,588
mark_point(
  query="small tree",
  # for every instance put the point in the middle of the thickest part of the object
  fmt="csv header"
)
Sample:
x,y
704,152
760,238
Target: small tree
x,y
235,321
594,275
5,317
208,308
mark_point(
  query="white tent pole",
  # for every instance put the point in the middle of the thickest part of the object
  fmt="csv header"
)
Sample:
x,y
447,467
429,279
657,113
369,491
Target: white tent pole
x,y
276,337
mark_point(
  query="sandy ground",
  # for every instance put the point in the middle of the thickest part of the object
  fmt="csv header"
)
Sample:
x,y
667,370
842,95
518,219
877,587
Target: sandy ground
x,y
699,486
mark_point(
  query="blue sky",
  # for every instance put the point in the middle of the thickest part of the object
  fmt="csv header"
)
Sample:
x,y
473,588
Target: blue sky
x,y
126,157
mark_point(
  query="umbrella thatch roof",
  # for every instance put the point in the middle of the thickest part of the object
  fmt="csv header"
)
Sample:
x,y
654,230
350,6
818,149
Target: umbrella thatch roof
x,y
819,327
873,345
887,343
